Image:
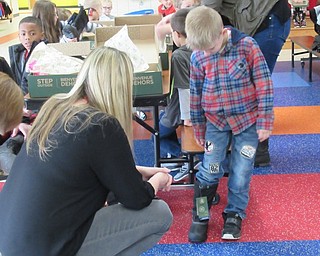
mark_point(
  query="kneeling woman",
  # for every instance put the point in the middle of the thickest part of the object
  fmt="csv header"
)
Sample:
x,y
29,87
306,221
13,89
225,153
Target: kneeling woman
x,y
78,151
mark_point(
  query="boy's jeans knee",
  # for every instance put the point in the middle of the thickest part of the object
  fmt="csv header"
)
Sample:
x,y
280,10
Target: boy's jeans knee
x,y
243,149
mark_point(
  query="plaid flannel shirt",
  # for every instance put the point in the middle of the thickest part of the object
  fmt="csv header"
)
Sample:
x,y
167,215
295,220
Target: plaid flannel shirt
x,y
232,87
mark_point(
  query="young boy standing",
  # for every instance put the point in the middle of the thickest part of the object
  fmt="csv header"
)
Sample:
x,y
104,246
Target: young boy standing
x,y
30,34
231,96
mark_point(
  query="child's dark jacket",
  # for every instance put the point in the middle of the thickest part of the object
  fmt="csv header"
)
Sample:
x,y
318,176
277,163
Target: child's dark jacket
x,y
18,60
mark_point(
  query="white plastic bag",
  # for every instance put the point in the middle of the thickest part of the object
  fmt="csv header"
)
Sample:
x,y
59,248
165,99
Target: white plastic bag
x,y
45,60
122,42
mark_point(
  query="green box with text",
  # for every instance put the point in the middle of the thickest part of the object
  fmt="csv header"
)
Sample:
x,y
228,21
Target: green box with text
x,y
48,85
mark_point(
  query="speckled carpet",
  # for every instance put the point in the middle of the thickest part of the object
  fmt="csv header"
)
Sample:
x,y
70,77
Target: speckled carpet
x,y
283,211
282,216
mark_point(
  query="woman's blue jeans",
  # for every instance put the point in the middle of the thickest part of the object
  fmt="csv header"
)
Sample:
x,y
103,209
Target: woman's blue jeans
x,y
271,39
243,149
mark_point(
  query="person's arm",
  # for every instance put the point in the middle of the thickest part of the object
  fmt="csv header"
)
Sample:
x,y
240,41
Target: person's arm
x,y
214,4
23,128
163,28
198,119
261,78
151,175
91,27
111,159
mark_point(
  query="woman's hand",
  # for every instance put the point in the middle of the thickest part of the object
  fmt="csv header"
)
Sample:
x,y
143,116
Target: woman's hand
x,y
22,127
161,181
148,172
201,142
158,177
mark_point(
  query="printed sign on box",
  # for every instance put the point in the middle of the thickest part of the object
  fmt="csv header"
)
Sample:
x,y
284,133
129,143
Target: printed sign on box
x,y
46,86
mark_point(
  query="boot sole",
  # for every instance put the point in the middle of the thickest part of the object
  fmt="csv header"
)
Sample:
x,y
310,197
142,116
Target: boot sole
x,y
229,237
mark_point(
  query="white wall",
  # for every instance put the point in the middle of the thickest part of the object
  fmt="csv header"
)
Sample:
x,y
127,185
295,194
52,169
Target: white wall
x,y
121,7
14,6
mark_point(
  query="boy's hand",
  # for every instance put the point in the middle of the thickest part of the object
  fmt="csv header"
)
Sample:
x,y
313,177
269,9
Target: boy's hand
x,y
200,142
263,135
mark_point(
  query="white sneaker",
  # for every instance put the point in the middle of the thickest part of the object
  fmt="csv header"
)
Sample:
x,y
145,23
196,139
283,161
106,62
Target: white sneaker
x,y
184,172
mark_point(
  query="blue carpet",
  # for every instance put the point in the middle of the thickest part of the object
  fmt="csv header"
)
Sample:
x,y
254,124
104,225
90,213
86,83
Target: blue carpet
x,y
292,248
297,96
300,154
288,79
290,154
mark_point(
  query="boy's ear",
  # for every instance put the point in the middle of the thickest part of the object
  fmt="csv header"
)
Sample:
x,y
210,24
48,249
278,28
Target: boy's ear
x,y
42,36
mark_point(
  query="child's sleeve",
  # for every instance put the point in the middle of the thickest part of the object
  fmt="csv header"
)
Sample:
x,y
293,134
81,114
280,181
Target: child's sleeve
x,y
261,78
197,114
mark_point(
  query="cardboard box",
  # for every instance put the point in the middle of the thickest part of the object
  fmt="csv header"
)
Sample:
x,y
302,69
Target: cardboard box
x,y
74,48
143,36
137,19
148,82
46,86
104,22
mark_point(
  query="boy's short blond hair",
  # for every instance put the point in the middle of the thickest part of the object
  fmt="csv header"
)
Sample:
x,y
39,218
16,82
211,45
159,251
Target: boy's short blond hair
x,y
11,103
203,26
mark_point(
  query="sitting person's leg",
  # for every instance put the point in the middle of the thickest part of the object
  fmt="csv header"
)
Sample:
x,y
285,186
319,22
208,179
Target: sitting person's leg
x,y
169,121
118,230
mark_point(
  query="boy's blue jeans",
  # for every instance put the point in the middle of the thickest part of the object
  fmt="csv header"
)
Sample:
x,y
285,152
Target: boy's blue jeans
x,y
243,149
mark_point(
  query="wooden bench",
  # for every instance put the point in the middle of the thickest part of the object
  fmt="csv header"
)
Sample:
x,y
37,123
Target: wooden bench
x,y
190,148
305,42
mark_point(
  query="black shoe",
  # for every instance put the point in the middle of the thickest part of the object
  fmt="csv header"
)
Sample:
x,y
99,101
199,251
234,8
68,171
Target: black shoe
x,y
216,199
198,232
232,226
3,175
262,160
70,32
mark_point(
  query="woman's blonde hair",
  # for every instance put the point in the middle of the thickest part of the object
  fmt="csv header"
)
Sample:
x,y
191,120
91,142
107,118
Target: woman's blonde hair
x,y
105,81
203,26
11,103
45,10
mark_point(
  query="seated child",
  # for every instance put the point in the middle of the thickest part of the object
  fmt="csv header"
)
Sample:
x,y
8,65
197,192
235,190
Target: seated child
x,y
30,34
299,12
11,105
106,10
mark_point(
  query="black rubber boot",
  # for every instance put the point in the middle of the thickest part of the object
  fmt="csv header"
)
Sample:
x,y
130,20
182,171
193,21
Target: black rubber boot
x,y
262,156
198,229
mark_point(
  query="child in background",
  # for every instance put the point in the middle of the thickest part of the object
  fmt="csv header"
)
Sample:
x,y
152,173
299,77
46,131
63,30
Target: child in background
x,y
46,11
170,118
63,14
166,7
299,12
11,105
180,64
106,10
178,109
163,28
30,34
231,94
94,9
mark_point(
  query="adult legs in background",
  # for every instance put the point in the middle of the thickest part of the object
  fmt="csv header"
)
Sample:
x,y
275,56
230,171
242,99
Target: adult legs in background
x,y
271,41
117,230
